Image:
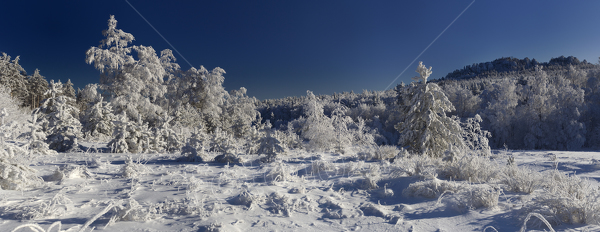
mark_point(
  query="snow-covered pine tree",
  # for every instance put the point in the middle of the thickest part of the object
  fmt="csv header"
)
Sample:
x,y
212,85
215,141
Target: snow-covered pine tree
x,y
56,116
424,126
37,87
12,75
119,142
37,138
269,145
239,113
98,121
166,138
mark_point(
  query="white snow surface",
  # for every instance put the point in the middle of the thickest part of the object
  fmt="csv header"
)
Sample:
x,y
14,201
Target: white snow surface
x,y
301,192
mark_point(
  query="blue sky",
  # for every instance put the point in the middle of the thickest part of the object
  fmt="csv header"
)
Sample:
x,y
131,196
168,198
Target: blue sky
x,y
283,48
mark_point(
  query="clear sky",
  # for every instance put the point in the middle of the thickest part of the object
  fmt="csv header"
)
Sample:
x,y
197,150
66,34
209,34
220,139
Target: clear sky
x,y
283,48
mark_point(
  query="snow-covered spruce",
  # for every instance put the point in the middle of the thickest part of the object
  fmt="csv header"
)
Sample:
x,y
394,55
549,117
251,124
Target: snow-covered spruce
x,y
424,126
58,118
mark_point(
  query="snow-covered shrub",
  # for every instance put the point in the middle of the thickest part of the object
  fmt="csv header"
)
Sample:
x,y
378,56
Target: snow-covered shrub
x,y
424,126
478,196
518,179
476,138
57,206
14,173
317,128
133,169
370,209
228,158
386,152
431,188
131,137
131,211
14,116
246,198
281,204
70,171
568,199
370,177
279,171
320,165
222,142
422,166
195,147
472,168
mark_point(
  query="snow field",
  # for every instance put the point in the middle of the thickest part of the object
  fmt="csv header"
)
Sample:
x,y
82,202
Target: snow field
x,y
306,191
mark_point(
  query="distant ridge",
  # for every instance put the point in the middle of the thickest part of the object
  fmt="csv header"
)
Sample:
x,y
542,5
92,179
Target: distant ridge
x,y
510,64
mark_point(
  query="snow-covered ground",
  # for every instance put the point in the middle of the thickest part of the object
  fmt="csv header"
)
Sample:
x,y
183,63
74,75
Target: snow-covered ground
x,y
301,192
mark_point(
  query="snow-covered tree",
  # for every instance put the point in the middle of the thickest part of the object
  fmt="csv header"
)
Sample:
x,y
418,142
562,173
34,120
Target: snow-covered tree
x,y
14,113
317,128
424,126
57,117
119,142
195,147
343,135
37,87
37,137
499,115
269,146
476,138
166,138
239,113
134,85
98,120
12,75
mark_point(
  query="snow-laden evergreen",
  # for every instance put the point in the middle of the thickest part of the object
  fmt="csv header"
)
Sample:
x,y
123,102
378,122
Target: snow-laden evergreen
x,y
98,121
424,127
59,119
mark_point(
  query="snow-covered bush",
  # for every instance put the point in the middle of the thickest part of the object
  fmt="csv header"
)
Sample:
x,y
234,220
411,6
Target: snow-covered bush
x,y
430,188
386,152
476,138
70,171
131,211
14,116
424,126
133,169
472,168
518,179
317,128
228,158
194,150
14,173
567,199
57,206
165,137
279,172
